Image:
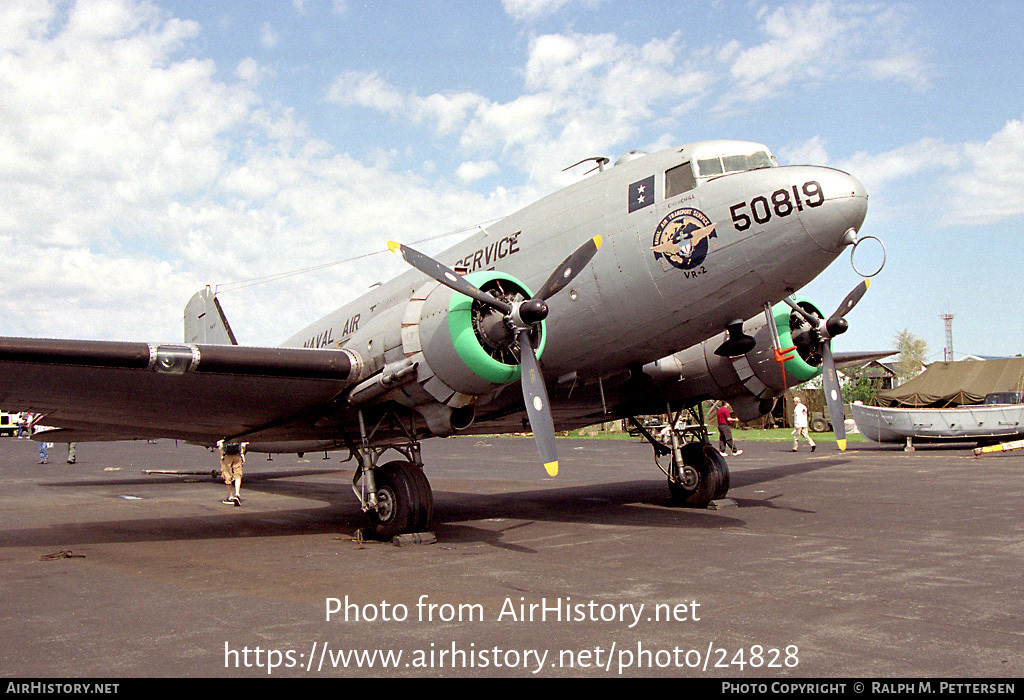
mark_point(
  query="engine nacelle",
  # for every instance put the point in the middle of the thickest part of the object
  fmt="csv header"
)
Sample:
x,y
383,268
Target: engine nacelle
x,y
463,349
749,382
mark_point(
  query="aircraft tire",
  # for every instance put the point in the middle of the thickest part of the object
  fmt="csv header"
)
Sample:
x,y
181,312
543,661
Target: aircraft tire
x,y
712,476
724,481
426,499
400,495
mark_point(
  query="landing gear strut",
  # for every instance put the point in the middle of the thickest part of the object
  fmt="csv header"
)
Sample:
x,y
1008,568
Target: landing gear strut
x,y
395,496
697,473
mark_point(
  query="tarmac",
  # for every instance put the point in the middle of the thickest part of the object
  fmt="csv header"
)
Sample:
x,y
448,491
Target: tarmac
x,y
869,563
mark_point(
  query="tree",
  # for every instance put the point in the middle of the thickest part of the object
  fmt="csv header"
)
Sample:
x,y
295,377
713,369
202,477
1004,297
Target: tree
x,y
859,385
912,354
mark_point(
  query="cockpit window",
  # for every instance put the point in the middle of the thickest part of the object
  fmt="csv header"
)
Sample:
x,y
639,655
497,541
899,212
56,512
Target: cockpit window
x,y
679,179
710,166
734,163
759,160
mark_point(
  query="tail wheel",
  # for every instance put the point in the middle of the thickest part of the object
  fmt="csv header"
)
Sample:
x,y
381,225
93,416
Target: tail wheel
x,y
405,502
703,476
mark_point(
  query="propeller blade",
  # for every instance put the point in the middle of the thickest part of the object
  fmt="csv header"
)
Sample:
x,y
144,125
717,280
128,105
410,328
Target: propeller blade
x,y
833,394
569,268
446,276
535,395
851,299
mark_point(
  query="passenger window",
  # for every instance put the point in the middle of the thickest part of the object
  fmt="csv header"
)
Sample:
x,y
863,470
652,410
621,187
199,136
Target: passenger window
x,y
710,166
679,179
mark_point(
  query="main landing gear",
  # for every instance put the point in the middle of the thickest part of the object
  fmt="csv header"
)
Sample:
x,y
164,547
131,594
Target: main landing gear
x,y
697,474
396,495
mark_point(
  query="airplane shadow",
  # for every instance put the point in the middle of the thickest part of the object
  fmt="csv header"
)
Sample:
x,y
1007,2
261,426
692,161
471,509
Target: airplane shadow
x,y
641,503
250,479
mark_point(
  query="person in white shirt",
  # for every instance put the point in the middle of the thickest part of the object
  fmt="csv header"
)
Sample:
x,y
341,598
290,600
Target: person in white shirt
x,y
800,425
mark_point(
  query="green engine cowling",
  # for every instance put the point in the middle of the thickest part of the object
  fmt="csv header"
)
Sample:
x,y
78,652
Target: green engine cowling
x,y
749,382
463,348
805,364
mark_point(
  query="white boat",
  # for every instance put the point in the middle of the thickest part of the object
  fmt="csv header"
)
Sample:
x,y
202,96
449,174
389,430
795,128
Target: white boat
x,y
972,423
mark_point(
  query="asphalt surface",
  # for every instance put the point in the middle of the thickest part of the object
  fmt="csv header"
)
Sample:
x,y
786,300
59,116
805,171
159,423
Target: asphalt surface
x,y
868,563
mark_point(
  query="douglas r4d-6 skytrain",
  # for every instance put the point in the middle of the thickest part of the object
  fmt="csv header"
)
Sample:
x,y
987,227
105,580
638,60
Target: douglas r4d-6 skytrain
x,y
675,285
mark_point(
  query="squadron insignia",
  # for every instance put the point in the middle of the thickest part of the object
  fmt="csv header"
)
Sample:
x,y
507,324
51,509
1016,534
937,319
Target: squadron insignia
x,y
683,238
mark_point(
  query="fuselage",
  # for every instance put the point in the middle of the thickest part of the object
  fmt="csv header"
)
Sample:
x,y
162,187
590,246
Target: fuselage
x,y
694,238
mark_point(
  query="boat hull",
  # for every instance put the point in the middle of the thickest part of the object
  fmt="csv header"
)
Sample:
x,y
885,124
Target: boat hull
x,y
960,424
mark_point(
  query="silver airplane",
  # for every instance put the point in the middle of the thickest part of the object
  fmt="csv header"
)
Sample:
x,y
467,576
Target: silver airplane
x,y
676,285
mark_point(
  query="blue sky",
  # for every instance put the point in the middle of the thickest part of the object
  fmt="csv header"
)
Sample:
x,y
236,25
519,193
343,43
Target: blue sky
x,y
150,148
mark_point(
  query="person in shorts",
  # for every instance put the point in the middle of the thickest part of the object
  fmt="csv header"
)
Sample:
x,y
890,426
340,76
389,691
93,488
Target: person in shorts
x,y
800,424
232,458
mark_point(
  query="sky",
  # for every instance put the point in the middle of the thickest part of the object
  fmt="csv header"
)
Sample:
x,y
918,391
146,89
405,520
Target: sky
x,y
271,149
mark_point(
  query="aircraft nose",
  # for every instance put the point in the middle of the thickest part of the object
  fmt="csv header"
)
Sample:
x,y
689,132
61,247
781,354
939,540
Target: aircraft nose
x,y
843,204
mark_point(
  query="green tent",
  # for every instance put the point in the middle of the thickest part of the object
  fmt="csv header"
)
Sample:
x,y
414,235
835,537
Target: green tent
x,y
955,384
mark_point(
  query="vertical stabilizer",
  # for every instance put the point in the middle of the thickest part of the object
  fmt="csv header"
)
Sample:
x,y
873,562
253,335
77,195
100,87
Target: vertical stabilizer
x,y
205,323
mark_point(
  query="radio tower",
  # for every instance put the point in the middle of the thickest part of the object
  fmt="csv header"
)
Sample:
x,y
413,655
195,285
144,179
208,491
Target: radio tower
x,y
947,354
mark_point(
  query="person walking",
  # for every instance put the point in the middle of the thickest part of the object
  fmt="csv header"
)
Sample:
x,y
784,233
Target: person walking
x,y
800,425
232,458
725,421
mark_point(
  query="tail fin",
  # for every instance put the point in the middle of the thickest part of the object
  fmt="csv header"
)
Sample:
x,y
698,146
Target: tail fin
x,y
205,322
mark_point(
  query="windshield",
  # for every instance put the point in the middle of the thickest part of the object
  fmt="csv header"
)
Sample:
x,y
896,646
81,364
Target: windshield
x,y
720,165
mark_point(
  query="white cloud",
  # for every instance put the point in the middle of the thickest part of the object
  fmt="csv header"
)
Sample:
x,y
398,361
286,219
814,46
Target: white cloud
x,y
530,10
907,68
22,21
249,70
472,171
268,36
592,94
992,186
582,93
130,176
806,44
877,170
970,183
810,152
796,48
366,90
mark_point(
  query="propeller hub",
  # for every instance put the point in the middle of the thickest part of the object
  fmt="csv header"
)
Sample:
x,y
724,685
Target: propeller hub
x,y
533,311
837,325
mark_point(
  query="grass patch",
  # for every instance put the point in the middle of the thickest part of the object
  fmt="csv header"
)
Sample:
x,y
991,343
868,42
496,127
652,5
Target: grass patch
x,y
751,434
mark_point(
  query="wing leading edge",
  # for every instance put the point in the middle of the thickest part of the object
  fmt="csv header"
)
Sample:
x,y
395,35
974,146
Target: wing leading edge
x,y
105,390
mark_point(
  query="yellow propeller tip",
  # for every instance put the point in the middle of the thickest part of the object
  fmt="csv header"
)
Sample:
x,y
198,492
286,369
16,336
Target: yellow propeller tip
x,y
867,283
842,444
551,468
597,241
394,246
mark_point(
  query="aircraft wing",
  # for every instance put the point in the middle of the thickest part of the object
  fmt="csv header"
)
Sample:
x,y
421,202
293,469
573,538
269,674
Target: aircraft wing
x,y
101,390
845,360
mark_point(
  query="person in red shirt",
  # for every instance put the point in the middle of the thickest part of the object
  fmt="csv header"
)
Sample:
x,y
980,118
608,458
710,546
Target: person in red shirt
x,y
725,419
